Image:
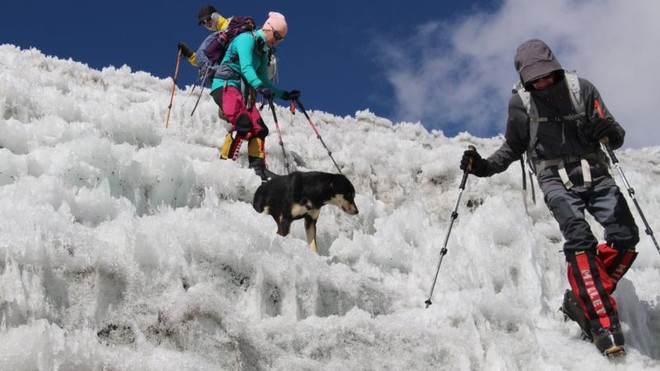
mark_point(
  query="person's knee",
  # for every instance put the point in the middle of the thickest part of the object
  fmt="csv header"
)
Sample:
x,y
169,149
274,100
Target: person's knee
x,y
623,244
263,129
243,125
622,236
633,237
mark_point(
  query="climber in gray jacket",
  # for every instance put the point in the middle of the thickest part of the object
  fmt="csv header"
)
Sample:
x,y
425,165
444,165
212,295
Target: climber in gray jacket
x,y
560,121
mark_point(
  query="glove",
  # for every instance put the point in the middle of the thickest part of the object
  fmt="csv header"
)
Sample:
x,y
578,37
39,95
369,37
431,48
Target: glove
x,y
473,162
185,51
291,95
600,128
263,90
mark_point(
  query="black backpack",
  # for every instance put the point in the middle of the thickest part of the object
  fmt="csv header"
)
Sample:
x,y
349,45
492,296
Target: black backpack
x,y
213,48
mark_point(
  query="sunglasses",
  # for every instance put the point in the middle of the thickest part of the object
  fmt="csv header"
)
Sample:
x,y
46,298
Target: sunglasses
x,y
205,20
276,34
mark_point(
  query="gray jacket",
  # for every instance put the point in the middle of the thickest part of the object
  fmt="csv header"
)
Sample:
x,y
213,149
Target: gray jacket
x,y
556,138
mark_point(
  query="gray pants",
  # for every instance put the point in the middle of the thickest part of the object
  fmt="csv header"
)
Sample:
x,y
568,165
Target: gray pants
x,y
607,205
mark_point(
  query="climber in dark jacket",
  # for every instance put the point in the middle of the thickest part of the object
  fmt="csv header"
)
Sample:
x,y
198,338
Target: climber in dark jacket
x,y
560,121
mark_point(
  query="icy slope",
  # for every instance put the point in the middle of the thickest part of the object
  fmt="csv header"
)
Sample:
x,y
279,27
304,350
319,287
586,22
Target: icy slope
x,y
125,245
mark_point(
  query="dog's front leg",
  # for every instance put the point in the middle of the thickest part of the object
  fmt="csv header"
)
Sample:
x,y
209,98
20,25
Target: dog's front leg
x,y
310,229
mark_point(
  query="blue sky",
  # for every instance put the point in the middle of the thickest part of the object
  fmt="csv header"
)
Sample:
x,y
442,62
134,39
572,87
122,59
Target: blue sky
x,y
329,54
447,64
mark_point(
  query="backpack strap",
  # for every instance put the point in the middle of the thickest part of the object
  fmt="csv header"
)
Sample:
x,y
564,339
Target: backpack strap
x,y
533,114
576,98
561,162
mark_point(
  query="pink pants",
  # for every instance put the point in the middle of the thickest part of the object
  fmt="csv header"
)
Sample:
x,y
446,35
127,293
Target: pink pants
x,y
234,107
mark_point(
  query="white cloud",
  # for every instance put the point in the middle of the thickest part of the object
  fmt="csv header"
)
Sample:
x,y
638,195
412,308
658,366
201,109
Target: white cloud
x,y
456,75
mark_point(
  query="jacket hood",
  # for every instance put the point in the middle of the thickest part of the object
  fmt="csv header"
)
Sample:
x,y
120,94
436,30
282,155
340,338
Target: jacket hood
x,y
534,59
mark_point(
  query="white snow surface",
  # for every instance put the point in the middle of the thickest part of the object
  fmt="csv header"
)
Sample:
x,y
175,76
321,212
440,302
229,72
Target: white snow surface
x,y
125,245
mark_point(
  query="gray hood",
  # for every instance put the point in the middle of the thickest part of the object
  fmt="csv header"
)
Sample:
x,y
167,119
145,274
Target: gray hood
x,y
534,59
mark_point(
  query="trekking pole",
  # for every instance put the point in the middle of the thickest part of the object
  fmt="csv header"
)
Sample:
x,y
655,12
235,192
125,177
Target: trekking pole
x,y
201,84
530,174
302,108
631,191
197,101
524,183
279,133
176,73
192,91
454,215
525,174
531,185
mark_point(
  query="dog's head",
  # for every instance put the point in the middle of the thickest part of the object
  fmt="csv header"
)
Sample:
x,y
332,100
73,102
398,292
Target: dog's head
x,y
343,194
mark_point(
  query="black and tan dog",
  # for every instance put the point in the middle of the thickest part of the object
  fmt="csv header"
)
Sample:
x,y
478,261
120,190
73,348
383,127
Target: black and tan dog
x,y
301,195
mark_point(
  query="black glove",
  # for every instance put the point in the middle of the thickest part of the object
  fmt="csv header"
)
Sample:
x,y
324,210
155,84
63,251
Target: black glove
x,y
267,93
185,51
599,128
473,162
291,95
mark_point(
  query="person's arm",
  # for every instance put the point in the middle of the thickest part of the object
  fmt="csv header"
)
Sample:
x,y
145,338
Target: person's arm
x,y
193,59
245,44
187,53
262,72
596,112
517,138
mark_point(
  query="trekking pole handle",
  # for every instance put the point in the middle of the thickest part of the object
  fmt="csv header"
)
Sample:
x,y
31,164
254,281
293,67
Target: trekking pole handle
x,y
299,103
467,170
605,143
610,152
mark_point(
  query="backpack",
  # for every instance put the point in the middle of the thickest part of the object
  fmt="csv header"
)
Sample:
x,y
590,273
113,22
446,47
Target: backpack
x,y
213,48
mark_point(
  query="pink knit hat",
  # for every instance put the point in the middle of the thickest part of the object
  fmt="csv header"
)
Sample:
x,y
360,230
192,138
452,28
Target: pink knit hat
x,y
277,22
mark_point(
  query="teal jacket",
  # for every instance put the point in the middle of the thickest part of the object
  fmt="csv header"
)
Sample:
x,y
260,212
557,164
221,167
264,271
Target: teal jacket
x,y
247,57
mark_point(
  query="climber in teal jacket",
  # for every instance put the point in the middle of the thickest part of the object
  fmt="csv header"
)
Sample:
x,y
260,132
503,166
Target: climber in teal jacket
x,y
243,72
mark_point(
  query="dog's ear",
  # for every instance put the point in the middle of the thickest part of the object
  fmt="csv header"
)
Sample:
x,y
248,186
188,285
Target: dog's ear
x,y
337,180
346,186
335,185
342,181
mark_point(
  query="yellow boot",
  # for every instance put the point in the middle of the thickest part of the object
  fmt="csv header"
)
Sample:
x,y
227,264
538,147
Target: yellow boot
x,y
257,159
231,146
